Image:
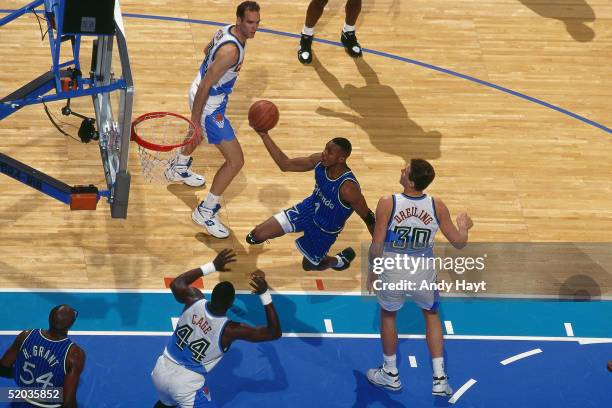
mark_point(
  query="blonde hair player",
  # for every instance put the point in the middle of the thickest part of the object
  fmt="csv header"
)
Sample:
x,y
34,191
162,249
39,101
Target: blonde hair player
x,y
208,98
406,223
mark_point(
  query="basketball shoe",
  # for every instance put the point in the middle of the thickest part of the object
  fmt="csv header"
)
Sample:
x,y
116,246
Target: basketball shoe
x,y
183,173
347,255
351,45
208,218
381,378
441,387
305,51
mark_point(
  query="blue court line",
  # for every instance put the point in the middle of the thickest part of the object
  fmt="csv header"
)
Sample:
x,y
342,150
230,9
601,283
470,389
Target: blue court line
x,y
391,56
350,314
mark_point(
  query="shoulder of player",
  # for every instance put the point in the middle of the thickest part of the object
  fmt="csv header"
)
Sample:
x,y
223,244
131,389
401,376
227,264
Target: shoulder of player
x,y
385,201
350,189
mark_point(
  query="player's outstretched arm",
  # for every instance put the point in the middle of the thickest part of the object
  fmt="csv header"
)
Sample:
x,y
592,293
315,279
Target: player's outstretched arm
x,y
184,293
283,162
457,236
241,331
9,357
351,195
226,57
75,362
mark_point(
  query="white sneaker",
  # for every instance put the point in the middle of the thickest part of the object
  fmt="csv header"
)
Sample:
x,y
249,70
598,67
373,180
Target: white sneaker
x,y
381,378
183,173
209,220
441,387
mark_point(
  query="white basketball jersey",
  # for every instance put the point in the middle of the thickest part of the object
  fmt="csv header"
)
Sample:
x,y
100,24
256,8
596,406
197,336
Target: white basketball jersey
x,y
196,341
218,95
413,225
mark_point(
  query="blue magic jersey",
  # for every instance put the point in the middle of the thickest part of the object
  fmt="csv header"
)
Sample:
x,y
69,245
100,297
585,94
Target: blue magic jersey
x,y
218,94
330,213
412,226
196,341
41,362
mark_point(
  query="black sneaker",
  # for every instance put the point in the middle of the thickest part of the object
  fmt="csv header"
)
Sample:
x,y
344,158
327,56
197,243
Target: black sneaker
x,y
347,255
251,240
305,51
351,45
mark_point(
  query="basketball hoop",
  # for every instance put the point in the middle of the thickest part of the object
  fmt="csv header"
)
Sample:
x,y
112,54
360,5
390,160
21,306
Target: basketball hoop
x,y
160,136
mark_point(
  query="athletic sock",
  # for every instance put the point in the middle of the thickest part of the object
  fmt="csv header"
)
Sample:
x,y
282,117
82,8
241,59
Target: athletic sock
x,y
211,201
348,28
308,31
438,367
390,364
182,159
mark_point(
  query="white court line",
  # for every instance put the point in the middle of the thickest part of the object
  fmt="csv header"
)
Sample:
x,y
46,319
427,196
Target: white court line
x,y
328,325
412,361
581,340
294,292
520,356
174,321
449,327
569,329
461,390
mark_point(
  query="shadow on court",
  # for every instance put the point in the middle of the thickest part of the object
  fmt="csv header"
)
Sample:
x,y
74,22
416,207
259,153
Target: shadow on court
x,y
224,392
379,111
573,15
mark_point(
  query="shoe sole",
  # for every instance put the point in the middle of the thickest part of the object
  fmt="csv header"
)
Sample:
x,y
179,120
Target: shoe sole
x,y
385,386
201,223
441,394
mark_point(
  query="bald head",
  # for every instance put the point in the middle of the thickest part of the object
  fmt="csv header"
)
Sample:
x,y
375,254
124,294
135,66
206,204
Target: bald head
x,y
61,317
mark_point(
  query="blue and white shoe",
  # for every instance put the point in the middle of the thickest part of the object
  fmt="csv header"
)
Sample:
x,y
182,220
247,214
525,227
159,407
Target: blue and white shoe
x,y
380,378
208,219
183,173
441,387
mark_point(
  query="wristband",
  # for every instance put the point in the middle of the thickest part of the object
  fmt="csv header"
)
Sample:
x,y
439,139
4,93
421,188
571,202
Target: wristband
x,y
208,268
266,298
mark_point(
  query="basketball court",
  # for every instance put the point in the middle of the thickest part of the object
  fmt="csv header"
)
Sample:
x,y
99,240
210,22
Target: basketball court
x,y
509,101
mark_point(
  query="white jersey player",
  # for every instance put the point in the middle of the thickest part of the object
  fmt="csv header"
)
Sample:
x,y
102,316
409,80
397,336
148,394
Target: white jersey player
x,y
406,224
208,98
204,334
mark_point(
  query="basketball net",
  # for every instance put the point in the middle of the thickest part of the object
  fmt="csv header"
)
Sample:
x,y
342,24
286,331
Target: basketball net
x,y
160,137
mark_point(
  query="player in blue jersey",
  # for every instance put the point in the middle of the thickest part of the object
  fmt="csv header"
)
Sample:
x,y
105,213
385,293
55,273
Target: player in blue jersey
x,y
208,98
204,334
47,359
406,223
321,217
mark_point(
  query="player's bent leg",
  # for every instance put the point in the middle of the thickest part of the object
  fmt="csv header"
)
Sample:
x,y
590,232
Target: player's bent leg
x,y
269,229
234,160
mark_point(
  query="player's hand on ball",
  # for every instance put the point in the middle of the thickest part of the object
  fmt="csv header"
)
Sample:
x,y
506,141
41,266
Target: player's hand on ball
x,y
262,133
258,282
464,221
223,258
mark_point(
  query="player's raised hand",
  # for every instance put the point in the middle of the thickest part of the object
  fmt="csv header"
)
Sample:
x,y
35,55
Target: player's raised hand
x,y
223,258
262,133
258,282
464,222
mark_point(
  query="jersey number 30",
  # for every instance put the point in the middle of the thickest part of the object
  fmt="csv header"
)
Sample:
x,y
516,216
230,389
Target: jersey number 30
x,y
419,238
197,347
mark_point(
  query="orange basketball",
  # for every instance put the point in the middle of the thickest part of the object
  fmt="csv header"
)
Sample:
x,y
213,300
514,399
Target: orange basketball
x,y
263,115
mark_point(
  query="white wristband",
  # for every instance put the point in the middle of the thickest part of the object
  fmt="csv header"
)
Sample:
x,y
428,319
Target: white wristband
x,y
266,298
208,268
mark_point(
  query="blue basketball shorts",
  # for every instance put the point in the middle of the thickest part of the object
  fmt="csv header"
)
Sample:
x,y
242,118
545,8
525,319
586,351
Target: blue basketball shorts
x,y
218,128
315,243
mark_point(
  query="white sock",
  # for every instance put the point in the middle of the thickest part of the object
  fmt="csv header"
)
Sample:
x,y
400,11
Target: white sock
x,y
340,263
308,31
211,201
389,365
182,159
348,28
438,367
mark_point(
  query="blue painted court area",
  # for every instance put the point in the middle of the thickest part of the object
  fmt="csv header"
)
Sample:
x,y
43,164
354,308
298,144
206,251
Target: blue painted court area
x,y
314,368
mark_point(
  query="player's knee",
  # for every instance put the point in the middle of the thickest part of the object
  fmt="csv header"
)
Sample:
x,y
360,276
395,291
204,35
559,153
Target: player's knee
x,y
320,3
236,163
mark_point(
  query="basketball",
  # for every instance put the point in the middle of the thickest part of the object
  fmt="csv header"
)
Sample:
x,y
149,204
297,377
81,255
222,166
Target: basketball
x,y
263,115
